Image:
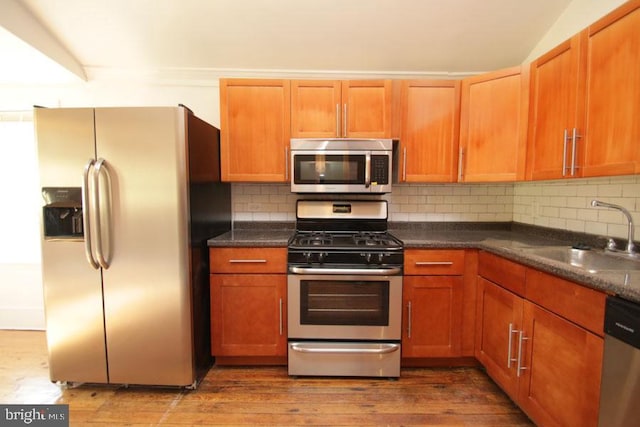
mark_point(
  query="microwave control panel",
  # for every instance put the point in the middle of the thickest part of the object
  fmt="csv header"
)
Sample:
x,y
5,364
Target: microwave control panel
x,y
380,169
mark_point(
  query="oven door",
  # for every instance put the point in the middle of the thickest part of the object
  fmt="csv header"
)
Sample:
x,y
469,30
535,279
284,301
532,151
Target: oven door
x,y
344,307
349,171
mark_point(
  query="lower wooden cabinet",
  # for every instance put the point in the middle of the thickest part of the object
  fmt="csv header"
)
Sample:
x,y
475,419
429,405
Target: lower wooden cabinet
x,y
548,363
248,305
248,313
433,303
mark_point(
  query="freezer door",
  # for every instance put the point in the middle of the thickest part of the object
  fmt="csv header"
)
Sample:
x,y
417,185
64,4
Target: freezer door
x,y
72,288
145,225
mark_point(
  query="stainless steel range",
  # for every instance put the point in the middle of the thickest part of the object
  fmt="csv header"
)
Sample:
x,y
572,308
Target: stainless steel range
x,y
344,290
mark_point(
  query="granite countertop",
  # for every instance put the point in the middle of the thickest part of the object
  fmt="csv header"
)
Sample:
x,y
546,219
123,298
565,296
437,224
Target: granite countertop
x,y
502,239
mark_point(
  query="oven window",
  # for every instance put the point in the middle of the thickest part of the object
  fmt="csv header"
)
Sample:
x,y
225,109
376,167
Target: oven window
x,y
329,169
344,302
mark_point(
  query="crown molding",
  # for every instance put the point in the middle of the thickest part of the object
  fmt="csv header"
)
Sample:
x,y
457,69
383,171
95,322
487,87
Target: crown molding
x,y
211,76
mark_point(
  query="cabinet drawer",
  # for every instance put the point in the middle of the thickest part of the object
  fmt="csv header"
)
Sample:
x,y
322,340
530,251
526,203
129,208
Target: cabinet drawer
x,y
579,304
247,260
503,272
433,262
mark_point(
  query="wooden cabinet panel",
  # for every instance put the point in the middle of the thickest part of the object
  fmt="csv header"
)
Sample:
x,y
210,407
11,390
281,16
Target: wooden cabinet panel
x,y
316,108
248,313
505,273
247,260
434,261
430,111
498,319
368,108
433,316
548,365
344,109
581,305
560,382
255,130
556,95
613,93
493,126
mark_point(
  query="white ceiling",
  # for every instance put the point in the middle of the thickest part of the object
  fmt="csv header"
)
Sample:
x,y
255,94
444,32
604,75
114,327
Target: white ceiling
x,y
369,36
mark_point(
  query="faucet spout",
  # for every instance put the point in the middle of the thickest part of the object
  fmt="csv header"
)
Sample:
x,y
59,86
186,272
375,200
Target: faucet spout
x,y
630,249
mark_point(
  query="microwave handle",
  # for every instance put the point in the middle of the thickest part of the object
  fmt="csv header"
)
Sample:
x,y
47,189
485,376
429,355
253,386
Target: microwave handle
x,y
367,170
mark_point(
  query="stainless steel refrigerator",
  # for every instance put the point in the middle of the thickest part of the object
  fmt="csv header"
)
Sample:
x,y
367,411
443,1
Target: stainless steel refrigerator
x,y
130,196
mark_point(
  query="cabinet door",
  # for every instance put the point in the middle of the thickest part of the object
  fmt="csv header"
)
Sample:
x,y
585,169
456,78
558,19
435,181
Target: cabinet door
x,y
560,382
613,94
316,109
554,112
433,316
429,131
498,321
248,313
255,127
366,108
493,126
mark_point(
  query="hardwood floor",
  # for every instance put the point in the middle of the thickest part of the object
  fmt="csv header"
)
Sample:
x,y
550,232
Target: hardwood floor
x,y
262,396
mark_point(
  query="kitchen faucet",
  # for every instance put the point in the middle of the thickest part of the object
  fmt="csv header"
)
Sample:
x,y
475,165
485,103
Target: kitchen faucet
x,y
631,247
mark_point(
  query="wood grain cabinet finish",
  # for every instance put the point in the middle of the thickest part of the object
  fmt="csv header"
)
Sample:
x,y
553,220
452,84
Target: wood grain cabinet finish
x,y
429,131
584,102
248,302
555,115
433,290
341,109
493,126
255,122
612,127
540,348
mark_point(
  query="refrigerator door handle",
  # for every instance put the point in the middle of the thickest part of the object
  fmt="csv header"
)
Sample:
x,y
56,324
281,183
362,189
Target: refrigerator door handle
x,y
99,168
86,217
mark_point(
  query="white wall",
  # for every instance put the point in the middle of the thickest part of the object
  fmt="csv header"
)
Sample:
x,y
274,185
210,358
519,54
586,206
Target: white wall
x,y
576,17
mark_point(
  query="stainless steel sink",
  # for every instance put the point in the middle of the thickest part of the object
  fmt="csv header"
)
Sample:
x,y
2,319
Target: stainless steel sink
x,y
590,260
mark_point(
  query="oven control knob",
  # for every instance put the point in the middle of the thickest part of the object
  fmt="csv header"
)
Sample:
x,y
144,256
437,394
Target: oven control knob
x,y
367,257
307,257
380,258
321,257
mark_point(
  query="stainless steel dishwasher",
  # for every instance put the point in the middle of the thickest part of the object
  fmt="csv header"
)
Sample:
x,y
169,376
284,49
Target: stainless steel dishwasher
x,y
620,389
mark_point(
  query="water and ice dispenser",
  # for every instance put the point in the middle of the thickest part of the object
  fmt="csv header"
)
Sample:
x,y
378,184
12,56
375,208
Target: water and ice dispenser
x,y
62,212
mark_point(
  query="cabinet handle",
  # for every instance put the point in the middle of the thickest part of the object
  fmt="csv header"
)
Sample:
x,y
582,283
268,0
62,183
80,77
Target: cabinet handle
x,y
281,317
574,143
461,164
344,123
247,261
434,262
404,164
286,163
519,367
564,152
509,358
338,120
409,319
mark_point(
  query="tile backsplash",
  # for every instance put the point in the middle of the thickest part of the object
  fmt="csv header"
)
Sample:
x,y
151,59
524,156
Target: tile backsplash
x,y
563,204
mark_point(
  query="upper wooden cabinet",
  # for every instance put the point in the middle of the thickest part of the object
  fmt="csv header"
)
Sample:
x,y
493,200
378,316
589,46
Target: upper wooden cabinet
x,y
612,127
584,102
430,121
555,124
493,126
255,130
341,109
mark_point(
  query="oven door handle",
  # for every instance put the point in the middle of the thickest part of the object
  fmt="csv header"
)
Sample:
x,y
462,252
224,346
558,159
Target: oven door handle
x,y
390,271
384,349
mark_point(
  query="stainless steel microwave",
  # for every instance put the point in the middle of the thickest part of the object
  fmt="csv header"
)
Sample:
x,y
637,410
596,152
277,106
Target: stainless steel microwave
x,y
344,165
